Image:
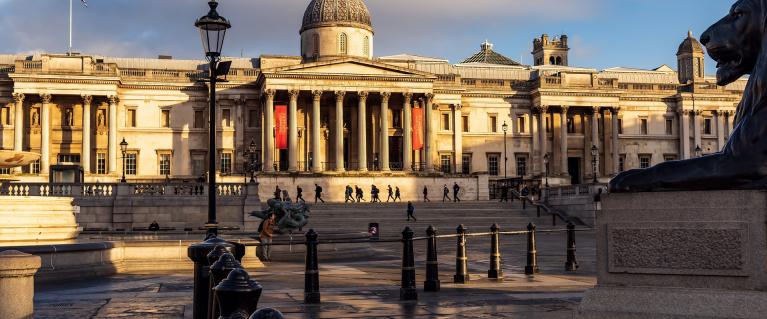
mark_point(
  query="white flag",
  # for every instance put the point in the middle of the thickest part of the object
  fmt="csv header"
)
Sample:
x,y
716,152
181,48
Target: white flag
x,y
85,3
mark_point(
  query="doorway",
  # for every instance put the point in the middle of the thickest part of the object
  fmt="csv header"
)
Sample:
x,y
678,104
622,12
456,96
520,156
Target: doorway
x,y
574,169
395,152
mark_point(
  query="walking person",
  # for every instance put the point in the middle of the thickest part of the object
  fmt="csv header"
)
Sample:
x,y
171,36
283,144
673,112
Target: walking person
x,y
266,233
425,194
410,211
360,194
504,193
348,194
318,194
374,194
456,189
278,193
391,195
397,194
445,194
300,194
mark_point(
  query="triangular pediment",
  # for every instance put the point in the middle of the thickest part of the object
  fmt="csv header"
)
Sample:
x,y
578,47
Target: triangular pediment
x,y
349,66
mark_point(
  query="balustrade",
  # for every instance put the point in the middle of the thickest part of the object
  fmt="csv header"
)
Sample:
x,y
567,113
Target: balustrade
x,y
102,190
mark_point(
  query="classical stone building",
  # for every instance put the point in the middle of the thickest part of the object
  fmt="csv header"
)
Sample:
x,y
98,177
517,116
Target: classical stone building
x,y
338,109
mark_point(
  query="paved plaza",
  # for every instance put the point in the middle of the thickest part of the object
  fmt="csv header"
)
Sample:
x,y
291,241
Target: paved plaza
x,y
366,287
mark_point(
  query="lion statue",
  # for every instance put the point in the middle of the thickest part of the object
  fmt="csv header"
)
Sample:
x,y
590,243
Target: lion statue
x,y
737,43
289,216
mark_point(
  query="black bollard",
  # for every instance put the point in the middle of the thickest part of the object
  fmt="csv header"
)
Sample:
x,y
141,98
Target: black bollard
x,y
432,265
407,291
267,313
213,256
219,270
237,295
496,268
198,253
312,272
532,255
461,259
571,264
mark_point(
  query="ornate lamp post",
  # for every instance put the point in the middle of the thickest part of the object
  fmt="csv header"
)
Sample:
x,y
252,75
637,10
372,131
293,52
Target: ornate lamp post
x,y
594,154
546,159
505,128
124,149
252,160
212,32
698,151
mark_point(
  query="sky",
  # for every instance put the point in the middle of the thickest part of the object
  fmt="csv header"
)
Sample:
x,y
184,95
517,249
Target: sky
x,y
603,33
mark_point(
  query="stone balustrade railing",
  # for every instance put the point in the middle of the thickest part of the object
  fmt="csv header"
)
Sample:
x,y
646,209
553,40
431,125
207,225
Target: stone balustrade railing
x,y
574,190
96,190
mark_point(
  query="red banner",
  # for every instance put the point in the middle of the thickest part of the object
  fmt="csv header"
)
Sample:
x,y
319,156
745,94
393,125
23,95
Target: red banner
x,y
281,126
417,129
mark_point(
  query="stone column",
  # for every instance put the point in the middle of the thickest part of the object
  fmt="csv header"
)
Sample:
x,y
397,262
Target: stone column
x,y
615,139
317,159
268,131
240,103
543,135
720,135
113,134
407,132
429,138
595,136
18,124
45,127
339,131
384,144
563,144
293,131
684,136
535,147
696,128
362,132
458,138
17,284
86,156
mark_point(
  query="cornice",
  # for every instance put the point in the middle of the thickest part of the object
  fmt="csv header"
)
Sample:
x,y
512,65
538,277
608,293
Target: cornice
x,y
66,81
346,77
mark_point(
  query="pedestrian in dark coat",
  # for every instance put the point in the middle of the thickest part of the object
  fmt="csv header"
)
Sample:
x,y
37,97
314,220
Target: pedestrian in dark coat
x,y
445,194
456,189
410,211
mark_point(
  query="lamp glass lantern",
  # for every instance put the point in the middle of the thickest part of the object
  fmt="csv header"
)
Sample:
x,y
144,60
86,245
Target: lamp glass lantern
x,y
505,127
213,29
252,147
546,159
594,154
124,150
698,151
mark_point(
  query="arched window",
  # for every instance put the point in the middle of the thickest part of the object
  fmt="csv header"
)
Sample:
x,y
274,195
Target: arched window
x,y
366,45
559,60
552,61
316,45
343,44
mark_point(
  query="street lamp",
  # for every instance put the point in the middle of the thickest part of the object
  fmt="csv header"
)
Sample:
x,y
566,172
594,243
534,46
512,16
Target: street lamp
x,y
124,149
505,128
698,151
594,154
546,159
252,158
212,32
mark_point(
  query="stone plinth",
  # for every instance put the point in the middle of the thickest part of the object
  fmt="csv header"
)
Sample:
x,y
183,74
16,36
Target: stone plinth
x,y
17,284
680,255
37,218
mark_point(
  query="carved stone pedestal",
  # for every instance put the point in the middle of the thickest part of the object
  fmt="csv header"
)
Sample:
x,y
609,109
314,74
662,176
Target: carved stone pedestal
x,y
17,284
680,255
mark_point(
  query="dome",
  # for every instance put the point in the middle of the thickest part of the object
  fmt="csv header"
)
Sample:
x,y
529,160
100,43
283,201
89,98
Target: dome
x,y
690,45
351,13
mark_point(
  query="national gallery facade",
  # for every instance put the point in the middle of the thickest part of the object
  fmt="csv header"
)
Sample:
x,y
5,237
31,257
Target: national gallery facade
x,y
337,109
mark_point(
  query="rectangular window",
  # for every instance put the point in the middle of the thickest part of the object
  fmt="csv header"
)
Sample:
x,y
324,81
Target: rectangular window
x,y
669,127
465,120
164,164
130,118
644,161
492,164
165,118
466,164
521,125
5,171
34,167
131,163
446,161
226,163
643,126
101,163
199,119
669,157
493,123
226,118
521,165
548,123
707,126
622,163
570,125
445,121
620,126
68,158
253,117
6,116
198,164
396,118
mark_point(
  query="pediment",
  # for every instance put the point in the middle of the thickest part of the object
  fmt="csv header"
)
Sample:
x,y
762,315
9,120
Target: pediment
x,y
349,66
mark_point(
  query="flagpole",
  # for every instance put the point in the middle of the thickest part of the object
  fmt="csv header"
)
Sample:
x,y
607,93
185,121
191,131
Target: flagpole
x,y
69,51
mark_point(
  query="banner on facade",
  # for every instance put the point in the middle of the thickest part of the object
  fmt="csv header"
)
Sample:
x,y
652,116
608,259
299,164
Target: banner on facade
x,y
417,128
281,126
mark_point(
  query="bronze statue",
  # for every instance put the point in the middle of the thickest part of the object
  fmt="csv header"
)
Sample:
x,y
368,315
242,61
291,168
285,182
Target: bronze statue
x,y
289,216
737,43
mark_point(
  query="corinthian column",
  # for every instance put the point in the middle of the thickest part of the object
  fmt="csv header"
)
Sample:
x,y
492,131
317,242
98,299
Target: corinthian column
x,y
113,134
544,137
616,145
339,131
696,128
293,132
720,137
684,136
595,136
268,131
458,138
384,152
317,160
563,144
45,141
362,131
429,145
86,156
407,132
18,122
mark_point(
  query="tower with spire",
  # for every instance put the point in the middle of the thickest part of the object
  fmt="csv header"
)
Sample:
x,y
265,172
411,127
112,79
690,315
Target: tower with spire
x,y
690,58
